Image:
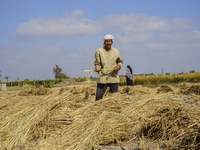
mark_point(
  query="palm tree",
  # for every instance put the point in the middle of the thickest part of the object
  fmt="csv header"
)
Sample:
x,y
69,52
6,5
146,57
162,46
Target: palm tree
x,y
6,77
18,80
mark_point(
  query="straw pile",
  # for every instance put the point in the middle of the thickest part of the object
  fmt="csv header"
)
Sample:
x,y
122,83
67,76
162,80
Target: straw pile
x,y
187,88
134,90
33,92
165,89
27,119
164,117
71,119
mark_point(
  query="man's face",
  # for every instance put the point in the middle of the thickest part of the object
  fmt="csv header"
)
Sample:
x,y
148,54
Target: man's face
x,y
108,43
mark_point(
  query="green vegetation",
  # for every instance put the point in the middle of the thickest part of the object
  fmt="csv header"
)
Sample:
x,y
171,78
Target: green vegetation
x,y
28,87
79,79
6,77
163,79
49,85
64,76
137,80
57,70
36,83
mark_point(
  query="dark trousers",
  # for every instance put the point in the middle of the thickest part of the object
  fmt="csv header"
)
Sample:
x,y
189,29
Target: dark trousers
x,y
129,82
101,89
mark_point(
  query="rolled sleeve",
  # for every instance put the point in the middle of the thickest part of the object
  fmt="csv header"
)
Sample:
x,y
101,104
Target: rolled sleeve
x,y
97,62
119,60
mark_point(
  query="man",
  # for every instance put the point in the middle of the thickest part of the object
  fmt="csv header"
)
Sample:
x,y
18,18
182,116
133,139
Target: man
x,y
107,63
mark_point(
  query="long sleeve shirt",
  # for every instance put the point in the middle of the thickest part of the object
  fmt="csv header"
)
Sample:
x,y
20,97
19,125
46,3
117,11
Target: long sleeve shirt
x,y
107,62
128,74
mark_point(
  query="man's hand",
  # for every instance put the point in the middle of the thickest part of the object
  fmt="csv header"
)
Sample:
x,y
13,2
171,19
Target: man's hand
x,y
97,69
117,68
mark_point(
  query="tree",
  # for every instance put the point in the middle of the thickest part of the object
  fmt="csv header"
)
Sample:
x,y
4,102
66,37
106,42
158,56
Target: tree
x,y
167,73
64,76
57,70
6,77
192,71
18,80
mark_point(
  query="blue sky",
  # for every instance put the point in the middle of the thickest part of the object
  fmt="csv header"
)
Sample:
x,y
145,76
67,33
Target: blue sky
x,y
35,35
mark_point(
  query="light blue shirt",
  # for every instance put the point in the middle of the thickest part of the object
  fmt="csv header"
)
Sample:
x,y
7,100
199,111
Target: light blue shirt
x,y
128,74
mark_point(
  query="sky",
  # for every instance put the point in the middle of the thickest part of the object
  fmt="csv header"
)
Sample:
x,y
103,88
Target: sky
x,y
151,35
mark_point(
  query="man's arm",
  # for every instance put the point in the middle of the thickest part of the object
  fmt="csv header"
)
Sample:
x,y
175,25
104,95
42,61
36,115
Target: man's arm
x,y
97,69
119,63
97,62
117,68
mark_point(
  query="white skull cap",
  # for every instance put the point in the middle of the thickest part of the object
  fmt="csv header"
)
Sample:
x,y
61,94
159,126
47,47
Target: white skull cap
x,y
108,36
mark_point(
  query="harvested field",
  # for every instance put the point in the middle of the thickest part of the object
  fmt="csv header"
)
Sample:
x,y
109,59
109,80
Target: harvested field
x,y
34,92
165,117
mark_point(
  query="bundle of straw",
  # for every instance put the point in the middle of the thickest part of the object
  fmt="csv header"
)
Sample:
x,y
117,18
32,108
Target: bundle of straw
x,y
164,117
26,125
96,123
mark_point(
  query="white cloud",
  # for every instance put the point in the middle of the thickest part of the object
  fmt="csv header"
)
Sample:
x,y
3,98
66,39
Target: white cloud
x,y
78,14
47,48
69,25
44,54
74,55
137,23
173,48
125,48
74,24
39,60
134,38
193,36
10,49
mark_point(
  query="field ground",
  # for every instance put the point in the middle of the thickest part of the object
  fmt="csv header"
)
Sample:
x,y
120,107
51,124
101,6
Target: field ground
x,y
67,117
